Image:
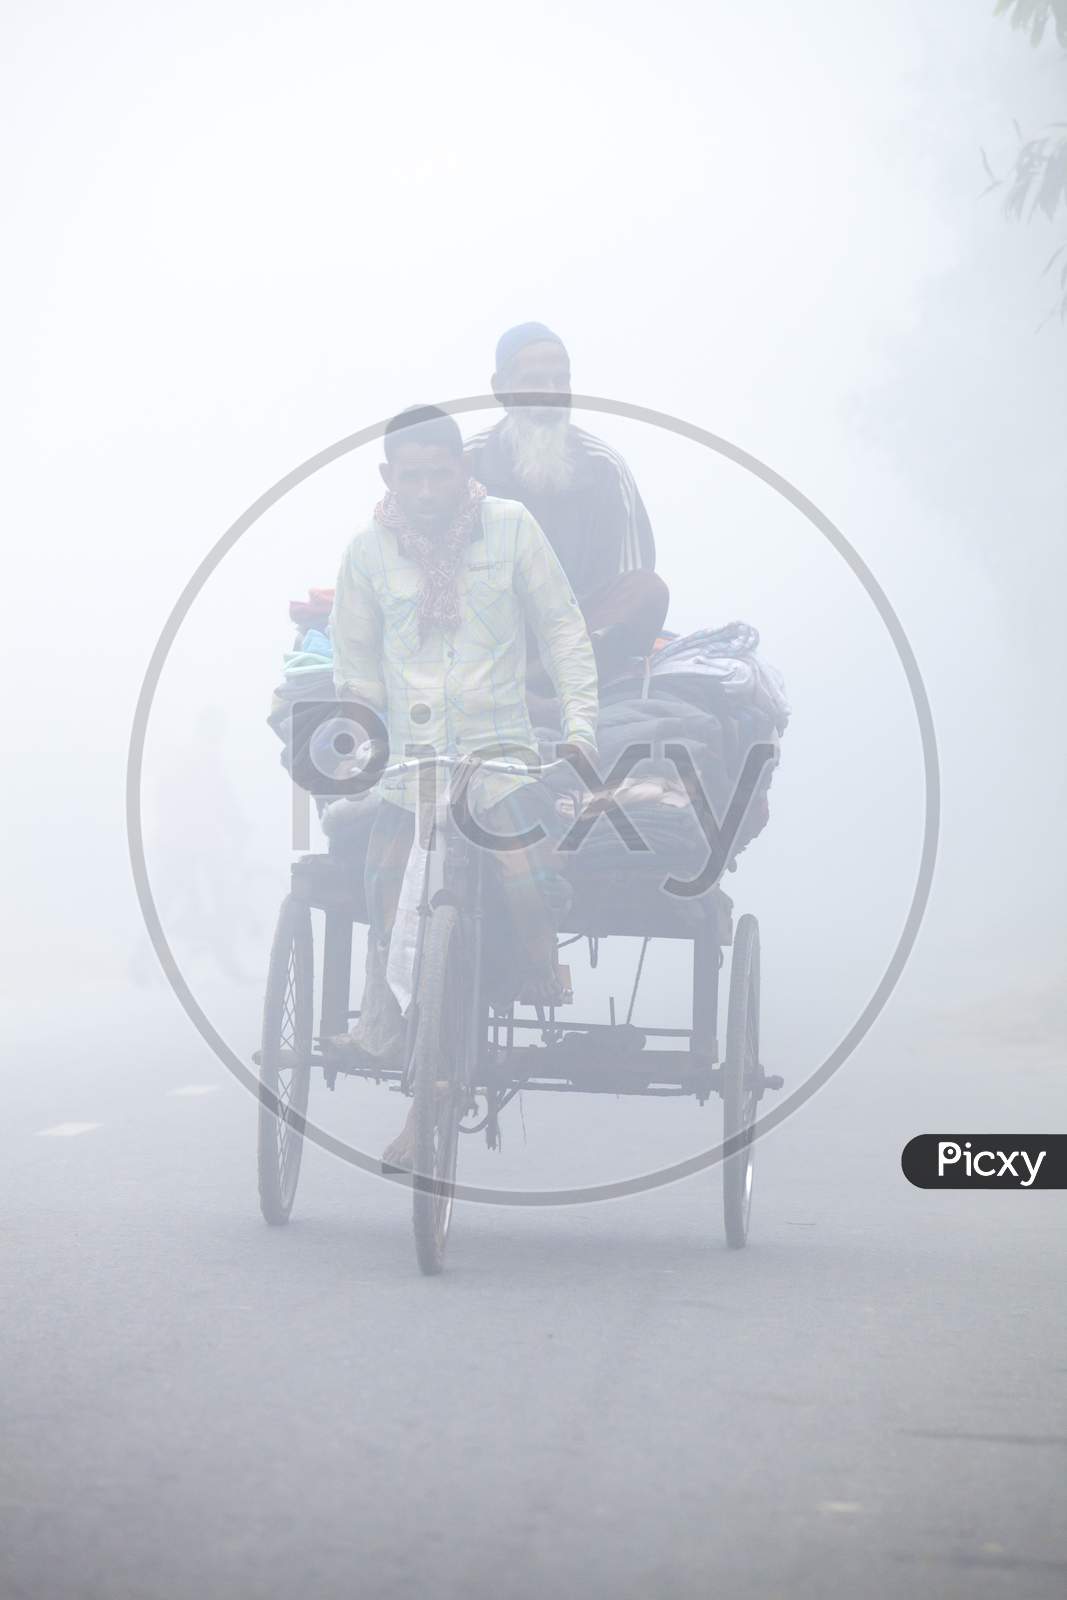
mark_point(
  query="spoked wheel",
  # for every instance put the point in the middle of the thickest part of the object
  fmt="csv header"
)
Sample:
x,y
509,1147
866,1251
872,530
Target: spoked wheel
x,y
437,1073
285,1060
741,1075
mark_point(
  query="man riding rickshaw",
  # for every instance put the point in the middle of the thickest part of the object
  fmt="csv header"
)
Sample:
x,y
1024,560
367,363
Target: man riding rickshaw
x,y
486,568
502,599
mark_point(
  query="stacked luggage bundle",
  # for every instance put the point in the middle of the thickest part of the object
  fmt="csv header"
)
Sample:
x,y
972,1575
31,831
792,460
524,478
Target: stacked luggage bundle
x,y
699,705
703,705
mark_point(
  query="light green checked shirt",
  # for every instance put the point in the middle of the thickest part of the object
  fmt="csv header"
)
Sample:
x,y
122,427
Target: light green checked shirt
x,y
463,689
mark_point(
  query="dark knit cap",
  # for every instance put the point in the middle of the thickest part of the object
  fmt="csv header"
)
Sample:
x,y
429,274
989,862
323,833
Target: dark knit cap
x,y
509,344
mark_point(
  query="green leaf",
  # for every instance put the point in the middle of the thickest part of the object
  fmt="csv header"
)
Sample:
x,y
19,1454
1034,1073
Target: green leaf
x,y
1052,186
1034,16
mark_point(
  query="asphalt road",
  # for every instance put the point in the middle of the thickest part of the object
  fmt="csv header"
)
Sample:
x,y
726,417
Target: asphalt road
x,y
595,1401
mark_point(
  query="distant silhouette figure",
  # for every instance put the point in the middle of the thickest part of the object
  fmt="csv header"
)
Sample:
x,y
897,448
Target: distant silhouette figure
x,y
199,867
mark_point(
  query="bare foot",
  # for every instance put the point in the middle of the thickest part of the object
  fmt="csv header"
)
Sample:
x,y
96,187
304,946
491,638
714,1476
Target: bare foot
x,y
345,1047
399,1155
545,988
349,1049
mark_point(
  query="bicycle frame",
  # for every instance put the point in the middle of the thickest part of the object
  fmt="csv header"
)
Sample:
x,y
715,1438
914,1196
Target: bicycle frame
x,y
462,885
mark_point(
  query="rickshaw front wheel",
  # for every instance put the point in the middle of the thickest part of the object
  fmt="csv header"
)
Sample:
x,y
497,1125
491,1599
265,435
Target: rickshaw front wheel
x,y
438,1060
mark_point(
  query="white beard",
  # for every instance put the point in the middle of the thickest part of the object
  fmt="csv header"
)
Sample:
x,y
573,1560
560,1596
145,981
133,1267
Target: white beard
x,y
540,451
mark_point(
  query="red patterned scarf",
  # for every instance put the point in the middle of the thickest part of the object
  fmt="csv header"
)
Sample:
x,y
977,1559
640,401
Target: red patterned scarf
x,y
439,559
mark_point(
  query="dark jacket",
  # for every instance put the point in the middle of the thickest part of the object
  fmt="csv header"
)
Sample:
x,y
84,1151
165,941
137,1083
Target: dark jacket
x,y
598,525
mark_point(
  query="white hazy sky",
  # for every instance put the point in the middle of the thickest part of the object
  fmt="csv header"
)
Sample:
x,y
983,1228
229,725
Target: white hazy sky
x,y
238,232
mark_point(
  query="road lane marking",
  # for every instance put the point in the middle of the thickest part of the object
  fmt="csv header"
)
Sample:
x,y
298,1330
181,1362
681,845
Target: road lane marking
x,y
840,1507
66,1130
195,1088
953,1436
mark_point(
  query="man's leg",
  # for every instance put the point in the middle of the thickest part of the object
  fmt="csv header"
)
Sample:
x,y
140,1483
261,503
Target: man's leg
x,y
387,857
379,1031
536,896
624,618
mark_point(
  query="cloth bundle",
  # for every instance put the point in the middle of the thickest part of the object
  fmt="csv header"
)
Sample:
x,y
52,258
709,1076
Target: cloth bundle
x,y
314,612
710,693
308,676
717,669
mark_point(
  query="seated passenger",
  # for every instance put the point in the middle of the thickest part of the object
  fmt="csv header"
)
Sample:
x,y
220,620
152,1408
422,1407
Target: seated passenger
x,y
581,493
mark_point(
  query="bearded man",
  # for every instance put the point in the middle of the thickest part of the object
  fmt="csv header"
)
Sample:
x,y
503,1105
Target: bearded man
x,y
580,492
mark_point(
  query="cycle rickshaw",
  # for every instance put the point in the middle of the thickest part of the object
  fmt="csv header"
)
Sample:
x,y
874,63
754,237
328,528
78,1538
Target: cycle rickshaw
x,y
465,1051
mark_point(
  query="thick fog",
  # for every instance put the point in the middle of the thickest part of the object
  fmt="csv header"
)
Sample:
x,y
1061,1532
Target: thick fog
x,y
239,233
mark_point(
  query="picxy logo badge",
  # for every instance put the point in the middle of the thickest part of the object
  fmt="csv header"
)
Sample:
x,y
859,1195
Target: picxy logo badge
x,y
986,1161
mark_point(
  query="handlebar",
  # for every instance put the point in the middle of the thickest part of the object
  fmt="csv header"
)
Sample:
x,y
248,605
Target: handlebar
x,y
508,768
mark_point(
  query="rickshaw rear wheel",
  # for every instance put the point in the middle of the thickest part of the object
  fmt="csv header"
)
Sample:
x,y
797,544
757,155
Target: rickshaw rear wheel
x,y
438,1077
285,1060
740,1079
